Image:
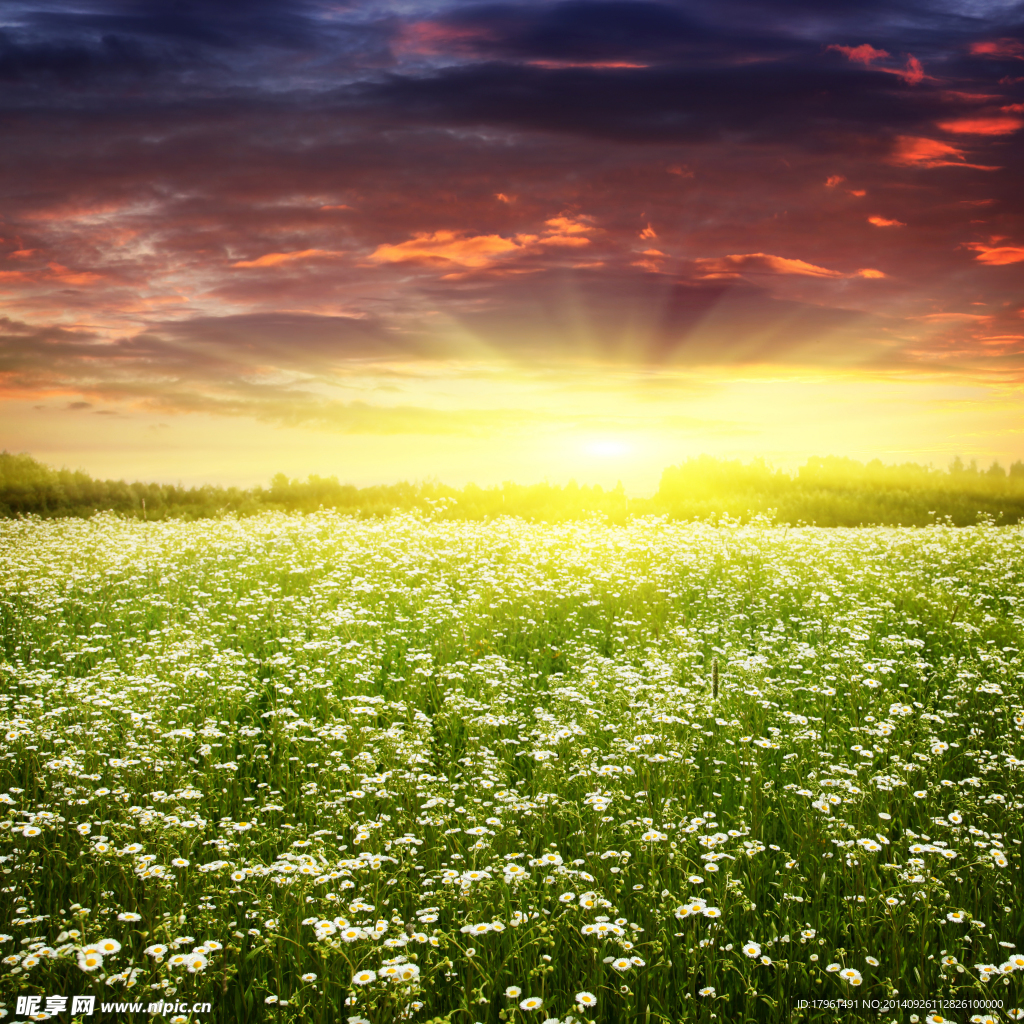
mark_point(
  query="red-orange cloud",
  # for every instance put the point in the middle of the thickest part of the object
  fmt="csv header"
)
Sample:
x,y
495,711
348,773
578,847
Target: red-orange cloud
x,y
997,256
481,251
866,54
912,73
603,64
863,54
447,247
914,151
884,222
66,276
999,49
274,259
982,125
763,263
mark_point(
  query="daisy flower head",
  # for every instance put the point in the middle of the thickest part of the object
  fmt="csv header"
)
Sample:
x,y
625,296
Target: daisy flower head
x,y
711,912
709,991
196,963
308,978
108,947
129,915
364,977
752,949
531,1003
871,960
695,880
90,961
832,968
584,999
513,992
850,975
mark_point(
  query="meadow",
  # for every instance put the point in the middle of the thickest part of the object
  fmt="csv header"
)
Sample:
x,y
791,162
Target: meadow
x,y
321,768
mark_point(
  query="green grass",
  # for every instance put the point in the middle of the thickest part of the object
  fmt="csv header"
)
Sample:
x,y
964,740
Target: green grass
x,y
341,722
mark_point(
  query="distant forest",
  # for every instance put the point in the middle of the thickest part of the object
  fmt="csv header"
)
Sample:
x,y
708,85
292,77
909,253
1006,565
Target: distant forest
x,y
825,492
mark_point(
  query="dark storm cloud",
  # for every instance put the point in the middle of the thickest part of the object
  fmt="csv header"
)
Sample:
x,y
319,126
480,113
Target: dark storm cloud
x,y
729,31
248,46
810,106
584,30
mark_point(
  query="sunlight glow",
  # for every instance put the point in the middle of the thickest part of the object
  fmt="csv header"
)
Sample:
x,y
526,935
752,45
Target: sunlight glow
x,y
608,448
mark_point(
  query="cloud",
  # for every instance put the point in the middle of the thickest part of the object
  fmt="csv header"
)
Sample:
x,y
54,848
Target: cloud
x,y
913,151
447,247
573,33
866,54
761,263
275,259
566,231
999,49
482,251
997,256
408,181
863,54
912,73
982,125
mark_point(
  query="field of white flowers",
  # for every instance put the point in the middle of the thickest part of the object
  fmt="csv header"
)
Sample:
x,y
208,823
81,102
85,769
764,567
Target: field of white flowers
x,y
322,769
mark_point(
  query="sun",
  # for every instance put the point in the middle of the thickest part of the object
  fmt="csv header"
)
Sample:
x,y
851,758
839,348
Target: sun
x,y
607,448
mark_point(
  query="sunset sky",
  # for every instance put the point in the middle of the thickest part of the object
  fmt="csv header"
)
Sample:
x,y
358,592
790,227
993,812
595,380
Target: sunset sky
x,y
508,240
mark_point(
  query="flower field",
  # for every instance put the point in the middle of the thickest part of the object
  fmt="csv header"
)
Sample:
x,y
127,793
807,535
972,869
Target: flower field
x,y
313,768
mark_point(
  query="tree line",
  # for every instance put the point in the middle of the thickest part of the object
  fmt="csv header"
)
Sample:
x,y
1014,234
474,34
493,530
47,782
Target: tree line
x,y
825,491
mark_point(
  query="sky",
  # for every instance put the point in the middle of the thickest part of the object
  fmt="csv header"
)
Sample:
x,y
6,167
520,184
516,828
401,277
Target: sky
x,y
517,240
